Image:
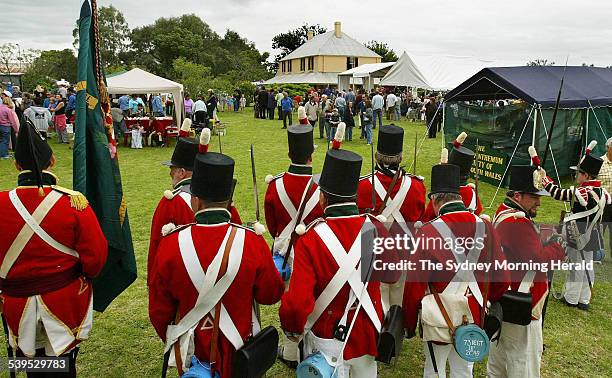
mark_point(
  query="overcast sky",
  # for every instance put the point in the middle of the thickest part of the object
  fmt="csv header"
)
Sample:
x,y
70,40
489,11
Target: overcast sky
x,y
512,31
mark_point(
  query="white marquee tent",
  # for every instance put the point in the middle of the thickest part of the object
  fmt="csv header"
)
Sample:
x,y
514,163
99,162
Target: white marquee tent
x,y
140,81
363,75
437,72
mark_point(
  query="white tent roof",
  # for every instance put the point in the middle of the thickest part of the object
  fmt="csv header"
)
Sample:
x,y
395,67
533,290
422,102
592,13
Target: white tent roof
x,y
405,73
140,81
329,44
438,72
444,72
366,69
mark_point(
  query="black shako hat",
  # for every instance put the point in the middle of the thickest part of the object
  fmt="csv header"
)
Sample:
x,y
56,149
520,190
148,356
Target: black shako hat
x,y
32,151
340,174
213,175
522,180
444,179
300,141
390,140
463,158
184,153
590,165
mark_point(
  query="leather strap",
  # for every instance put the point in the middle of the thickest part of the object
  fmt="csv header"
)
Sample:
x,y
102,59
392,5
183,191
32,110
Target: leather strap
x,y
487,283
298,219
214,348
391,186
449,323
177,350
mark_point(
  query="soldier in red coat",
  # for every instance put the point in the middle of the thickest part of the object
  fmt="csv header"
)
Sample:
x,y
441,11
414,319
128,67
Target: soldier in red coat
x,y
519,350
292,200
464,158
455,236
209,268
51,248
404,205
327,297
175,206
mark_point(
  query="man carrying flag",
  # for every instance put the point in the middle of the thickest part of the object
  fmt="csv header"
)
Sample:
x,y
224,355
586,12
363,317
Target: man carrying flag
x,y
96,167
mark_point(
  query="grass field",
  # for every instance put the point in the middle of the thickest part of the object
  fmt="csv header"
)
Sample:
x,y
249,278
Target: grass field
x,y
123,343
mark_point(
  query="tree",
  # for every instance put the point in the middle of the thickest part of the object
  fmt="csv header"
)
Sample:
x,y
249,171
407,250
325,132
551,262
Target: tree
x,y
114,34
50,66
8,56
382,49
540,62
195,78
291,40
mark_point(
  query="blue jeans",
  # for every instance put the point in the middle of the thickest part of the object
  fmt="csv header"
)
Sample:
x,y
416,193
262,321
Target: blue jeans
x,y
5,137
398,112
377,113
331,133
368,132
349,133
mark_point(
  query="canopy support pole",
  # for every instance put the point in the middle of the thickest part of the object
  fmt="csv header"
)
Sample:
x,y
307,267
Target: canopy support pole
x,y
552,155
586,136
511,157
535,124
597,119
443,120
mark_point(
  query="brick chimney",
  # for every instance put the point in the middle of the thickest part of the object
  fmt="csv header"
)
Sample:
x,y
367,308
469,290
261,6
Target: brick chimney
x,y
310,34
337,29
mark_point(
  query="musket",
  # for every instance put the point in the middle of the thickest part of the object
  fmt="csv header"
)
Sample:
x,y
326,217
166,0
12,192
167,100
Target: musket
x,y
9,349
255,192
373,176
220,147
554,117
414,159
476,175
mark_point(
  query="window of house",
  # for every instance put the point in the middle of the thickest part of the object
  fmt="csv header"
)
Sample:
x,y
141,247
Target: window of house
x,y
351,62
303,64
311,63
289,68
283,66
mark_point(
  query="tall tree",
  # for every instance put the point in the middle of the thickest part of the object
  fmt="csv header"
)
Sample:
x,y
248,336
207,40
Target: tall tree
x,y
291,40
540,62
114,36
382,49
50,66
8,56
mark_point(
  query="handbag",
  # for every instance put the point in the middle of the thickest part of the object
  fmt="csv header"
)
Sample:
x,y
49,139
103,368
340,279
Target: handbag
x,y
257,355
392,335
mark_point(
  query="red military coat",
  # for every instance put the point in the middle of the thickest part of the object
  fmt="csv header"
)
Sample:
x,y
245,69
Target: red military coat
x,y
314,267
413,205
294,182
171,290
65,312
470,200
463,226
528,247
174,207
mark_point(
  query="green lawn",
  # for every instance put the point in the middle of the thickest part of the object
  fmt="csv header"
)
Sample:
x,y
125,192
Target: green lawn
x,y
123,343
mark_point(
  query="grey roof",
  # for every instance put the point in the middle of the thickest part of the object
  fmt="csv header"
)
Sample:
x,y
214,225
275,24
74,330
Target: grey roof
x,y
328,44
305,78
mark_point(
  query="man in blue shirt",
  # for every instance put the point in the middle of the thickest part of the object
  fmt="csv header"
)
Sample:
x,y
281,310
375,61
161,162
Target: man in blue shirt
x,y
286,107
124,104
377,107
158,110
133,105
71,103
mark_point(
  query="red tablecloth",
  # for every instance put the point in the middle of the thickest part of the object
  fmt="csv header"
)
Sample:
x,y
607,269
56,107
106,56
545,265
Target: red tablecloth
x,y
158,124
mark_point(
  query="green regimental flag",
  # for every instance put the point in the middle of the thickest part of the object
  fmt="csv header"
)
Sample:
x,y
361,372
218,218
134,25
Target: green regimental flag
x,y
96,166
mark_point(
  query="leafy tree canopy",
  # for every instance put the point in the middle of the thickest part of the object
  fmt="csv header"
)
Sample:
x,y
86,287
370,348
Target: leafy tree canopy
x,y
540,62
50,66
382,49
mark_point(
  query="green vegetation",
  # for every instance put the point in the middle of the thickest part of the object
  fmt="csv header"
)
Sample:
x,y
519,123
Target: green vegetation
x,y
123,343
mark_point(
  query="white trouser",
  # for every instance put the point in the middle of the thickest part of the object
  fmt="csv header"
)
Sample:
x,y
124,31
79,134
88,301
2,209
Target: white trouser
x,y
215,115
459,367
360,367
518,353
391,294
577,288
289,348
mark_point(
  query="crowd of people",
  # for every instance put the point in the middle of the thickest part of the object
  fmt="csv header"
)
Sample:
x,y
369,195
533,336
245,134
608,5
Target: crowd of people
x,y
360,109
49,110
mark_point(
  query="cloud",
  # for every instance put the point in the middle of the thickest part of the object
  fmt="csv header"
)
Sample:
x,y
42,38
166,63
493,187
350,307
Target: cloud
x,y
515,31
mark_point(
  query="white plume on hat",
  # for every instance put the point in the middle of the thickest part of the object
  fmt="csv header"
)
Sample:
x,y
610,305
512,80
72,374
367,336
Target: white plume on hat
x,y
339,137
444,156
460,139
204,140
591,147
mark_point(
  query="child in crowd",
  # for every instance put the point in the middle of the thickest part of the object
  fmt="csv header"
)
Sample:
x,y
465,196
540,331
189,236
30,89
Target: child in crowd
x,y
334,120
137,131
242,102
